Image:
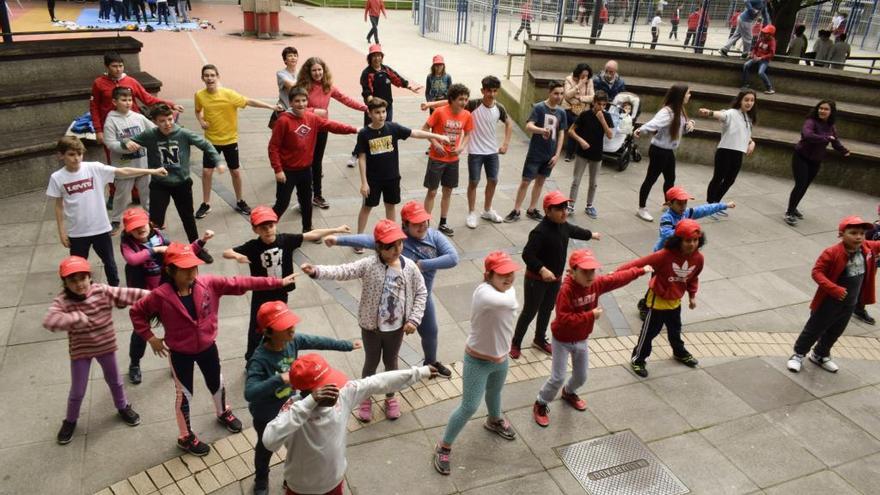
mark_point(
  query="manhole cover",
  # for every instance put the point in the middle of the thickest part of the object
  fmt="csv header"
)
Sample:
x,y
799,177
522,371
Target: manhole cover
x,y
619,464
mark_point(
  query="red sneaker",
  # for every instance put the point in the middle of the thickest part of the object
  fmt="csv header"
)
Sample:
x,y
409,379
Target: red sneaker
x,y
574,401
543,346
541,413
514,352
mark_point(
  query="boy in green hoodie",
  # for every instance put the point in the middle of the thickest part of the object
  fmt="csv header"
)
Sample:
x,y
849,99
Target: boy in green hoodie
x,y
168,146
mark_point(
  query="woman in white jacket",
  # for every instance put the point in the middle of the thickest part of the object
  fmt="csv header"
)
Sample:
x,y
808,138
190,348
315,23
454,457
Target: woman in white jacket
x,y
393,297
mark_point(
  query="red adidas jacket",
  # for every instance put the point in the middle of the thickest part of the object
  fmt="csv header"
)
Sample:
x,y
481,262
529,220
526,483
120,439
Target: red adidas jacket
x,y
102,97
831,264
674,273
292,146
575,303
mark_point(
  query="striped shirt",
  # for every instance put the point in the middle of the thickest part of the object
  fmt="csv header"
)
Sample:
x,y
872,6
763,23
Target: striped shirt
x,y
89,323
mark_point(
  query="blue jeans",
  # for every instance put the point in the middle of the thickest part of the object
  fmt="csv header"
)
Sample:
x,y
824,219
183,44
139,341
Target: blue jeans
x,y
762,72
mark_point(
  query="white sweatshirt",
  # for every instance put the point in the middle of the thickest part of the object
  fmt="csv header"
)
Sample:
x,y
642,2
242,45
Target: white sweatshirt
x,y
315,436
493,315
119,128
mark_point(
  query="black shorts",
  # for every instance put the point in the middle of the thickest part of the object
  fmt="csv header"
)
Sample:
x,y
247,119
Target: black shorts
x,y
389,190
441,173
230,154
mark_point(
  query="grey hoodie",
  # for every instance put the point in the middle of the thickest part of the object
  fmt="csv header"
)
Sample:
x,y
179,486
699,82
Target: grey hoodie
x,y
118,128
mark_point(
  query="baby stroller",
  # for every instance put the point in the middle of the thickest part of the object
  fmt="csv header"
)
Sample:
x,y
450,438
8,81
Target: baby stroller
x,y
621,148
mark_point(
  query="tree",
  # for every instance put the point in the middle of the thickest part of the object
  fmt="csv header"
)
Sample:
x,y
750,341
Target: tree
x,y
784,14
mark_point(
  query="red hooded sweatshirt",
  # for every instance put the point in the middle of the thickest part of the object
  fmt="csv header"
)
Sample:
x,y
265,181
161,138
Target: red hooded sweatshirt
x,y
831,264
674,273
292,146
102,97
575,303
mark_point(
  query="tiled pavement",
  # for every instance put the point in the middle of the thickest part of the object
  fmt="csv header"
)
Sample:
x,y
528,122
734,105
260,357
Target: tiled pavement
x,y
739,424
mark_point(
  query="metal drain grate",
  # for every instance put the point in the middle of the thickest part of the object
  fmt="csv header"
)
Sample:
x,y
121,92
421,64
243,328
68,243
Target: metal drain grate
x,y
619,464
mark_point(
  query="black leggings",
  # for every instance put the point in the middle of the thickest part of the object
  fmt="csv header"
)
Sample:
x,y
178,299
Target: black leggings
x,y
374,30
524,24
661,161
804,171
182,367
384,346
262,455
654,322
103,246
727,165
655,34
318,163
539,299
302,181
162,194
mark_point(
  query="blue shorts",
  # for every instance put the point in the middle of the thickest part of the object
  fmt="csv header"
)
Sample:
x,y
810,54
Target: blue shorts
x,y
532,168
475,162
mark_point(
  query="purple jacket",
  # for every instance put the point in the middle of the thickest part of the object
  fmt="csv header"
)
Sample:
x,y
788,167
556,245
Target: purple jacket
x,y
815,136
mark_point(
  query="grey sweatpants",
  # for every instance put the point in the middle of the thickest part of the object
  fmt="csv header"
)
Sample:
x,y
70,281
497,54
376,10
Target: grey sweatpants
x,y
580,165
580,360
744,31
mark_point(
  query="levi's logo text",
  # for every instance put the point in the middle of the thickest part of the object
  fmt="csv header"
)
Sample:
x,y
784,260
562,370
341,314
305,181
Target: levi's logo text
x,y
79,186
682,272
381,145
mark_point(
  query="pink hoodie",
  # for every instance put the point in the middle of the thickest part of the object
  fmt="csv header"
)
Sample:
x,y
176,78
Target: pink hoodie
x,y
320,99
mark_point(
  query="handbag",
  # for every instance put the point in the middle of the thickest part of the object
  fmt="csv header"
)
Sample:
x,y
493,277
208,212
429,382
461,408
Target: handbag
x,y
273,118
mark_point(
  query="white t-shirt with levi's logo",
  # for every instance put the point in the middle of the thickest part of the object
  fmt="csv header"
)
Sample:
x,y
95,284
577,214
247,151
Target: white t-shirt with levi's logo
x,y
85,211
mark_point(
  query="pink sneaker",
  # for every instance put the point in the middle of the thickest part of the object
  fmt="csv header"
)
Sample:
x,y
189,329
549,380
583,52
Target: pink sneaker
x,y
365,411
392,408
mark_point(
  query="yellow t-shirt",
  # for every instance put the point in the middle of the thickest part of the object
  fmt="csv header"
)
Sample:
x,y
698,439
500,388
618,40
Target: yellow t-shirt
x,y
656,302
221,113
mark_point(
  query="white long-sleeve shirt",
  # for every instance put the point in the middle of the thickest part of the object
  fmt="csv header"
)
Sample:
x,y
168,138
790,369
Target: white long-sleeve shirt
x,y
493,315
315,436
661,125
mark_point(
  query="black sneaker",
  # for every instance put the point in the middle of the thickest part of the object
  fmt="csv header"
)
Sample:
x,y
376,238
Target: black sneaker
x,y
797,214
229,420
130,417
863,315
192,445
203,210
134,374
442,370
534,214
320,202
441,459
65,434
689,361
446,230
115,228
261,486
511,217
639,369
790,219
242,207
205,256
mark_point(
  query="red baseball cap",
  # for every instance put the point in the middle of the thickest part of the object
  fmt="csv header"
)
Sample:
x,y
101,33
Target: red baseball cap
x,y
500,262
769,29
181,256
554,198
584,259
387,232
134,218
263,214
275,315
74,264
438,59
688,229
677,193
311,372
854,221
414,212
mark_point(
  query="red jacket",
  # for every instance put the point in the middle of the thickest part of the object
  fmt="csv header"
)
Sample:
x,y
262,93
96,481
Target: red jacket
x,y
694,20
734,19
764,48
603,15
831,264
182,333
674,273
373,8
575,303
102,97
292,146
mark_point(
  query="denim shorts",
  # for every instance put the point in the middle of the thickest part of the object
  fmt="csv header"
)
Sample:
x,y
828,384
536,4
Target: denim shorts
x,y
475,162
533,168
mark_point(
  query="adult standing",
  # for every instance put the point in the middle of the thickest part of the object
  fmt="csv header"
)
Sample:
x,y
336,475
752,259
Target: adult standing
x,y
744,26
316,79
609,80
818,131
376,82
797,47
373,8
668,126
578,93
736,142
525,20
51,5
655,29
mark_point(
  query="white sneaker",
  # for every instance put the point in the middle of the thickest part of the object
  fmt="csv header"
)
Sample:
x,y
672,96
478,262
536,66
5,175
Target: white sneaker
x,y
471,221
824,362
644,215
795,362
492,216
352,161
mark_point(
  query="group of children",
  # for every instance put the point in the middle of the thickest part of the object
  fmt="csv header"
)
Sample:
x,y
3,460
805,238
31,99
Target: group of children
x,y
136,10
300,401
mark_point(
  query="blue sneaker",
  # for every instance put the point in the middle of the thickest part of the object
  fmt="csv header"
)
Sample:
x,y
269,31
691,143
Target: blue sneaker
x,y
591,212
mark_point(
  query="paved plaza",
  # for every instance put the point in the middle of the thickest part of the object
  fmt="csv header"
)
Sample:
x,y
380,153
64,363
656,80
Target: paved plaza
x,y
739,423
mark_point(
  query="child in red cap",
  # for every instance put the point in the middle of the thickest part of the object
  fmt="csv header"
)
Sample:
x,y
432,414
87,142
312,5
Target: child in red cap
x,y
187,305
545,254
871,235
577,309
493,308
85,311
143,247
270,255
313,424
392,304
268,381
677,269
845,274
